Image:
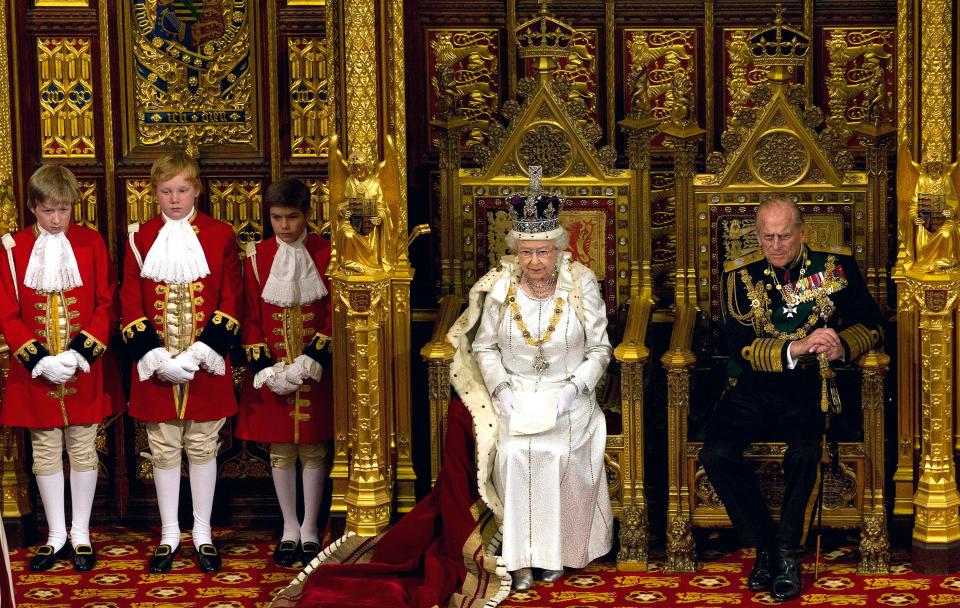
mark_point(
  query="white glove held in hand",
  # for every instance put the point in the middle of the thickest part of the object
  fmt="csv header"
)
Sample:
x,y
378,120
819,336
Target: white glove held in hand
x,y
504,403
303,368
73,358
280,385
54,370
261,377
567,396
177,370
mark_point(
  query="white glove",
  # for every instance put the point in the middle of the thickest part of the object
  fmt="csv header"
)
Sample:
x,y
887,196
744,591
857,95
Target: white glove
x,y
177,370
280,385
205,357
73,358
303,368
504,403
567,396
150,362
261,377
54,370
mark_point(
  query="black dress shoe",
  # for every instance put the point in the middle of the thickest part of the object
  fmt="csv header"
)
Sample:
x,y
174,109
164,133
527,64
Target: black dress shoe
x,y
162,558
285,554
208,558
309,550
786,585
764,570
84,558
46,557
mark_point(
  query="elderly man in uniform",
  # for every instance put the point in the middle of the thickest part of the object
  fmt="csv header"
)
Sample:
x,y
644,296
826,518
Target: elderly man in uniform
x,y
783,308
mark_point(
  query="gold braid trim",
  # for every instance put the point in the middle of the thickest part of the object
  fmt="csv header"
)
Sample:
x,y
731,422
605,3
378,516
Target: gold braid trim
x,y
765,354
858,339
255,351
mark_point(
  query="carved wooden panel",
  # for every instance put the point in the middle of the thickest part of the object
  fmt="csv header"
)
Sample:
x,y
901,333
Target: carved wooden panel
x,y
85,209
66,85
463,67
660,68
860,79
240,204
580,68
141,204
309,112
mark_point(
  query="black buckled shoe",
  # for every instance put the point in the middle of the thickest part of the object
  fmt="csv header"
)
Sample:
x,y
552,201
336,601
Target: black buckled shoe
x,y
786,585
208,558
285,555
46,557
84,558
764,570
162,558
309,550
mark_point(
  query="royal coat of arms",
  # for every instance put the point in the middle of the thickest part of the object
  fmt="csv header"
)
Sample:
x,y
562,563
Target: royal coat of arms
x,y
193,82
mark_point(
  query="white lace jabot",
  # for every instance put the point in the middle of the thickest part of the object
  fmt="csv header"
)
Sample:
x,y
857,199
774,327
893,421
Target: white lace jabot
x,y
52,266
293,279
176,256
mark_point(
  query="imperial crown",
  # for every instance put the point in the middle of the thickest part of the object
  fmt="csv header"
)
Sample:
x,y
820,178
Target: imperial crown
x,y
536,212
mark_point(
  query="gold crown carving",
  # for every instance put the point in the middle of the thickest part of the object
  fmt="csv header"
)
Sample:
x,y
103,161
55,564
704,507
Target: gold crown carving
x,y
544,36
779,45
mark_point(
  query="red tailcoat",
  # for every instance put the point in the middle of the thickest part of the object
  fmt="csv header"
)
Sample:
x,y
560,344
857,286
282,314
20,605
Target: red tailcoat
x,y
214,314
273,333
87,315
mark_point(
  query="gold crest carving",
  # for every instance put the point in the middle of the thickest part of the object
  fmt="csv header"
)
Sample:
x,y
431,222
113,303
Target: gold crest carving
x,y
191,70
935,300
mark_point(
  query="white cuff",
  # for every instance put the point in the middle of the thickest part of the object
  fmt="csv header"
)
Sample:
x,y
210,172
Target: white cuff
x,y
207,358
791,362
310,367
150,362
261,377
82,362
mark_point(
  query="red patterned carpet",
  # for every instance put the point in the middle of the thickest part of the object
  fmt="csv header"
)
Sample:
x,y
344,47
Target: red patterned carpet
x,y
722,582
249,579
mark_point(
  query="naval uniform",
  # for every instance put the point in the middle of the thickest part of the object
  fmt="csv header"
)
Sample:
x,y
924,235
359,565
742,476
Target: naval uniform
x,y
764,392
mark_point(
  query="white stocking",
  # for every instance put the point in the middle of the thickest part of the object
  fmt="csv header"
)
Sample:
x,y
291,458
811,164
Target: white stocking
x,y
312,496
203,483
168,498
285,482
51,493
83,485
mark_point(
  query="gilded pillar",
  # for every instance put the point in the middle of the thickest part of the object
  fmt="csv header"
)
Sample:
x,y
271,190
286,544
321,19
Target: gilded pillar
x,y
937,527
373,461
928,277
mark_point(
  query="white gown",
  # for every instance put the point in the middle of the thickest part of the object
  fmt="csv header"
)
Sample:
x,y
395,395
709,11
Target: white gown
x,y
556,508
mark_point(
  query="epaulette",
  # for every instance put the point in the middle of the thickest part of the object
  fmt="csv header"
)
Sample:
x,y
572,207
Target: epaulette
x,y
251,249
133,228
8,241
743,260
838,249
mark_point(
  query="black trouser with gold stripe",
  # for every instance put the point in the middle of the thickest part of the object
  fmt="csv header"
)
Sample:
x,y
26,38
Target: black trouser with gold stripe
x,y
781,407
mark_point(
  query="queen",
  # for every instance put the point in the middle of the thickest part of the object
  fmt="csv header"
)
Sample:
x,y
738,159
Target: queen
x,y
540,346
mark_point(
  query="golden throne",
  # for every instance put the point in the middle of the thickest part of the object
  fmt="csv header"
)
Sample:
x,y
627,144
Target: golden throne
x,y
605,210
773,147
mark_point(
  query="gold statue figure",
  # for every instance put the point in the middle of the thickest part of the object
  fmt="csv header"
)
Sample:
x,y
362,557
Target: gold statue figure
x,y
928,198
366,197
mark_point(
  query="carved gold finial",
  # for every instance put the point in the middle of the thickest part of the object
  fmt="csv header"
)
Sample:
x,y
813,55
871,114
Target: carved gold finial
x,y
544,38
779,47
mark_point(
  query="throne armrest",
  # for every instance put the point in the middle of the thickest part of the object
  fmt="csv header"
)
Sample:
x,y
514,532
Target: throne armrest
x,y
438,354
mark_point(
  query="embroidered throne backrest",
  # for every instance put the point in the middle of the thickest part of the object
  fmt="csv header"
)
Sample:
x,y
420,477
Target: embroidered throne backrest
x,y
775,149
